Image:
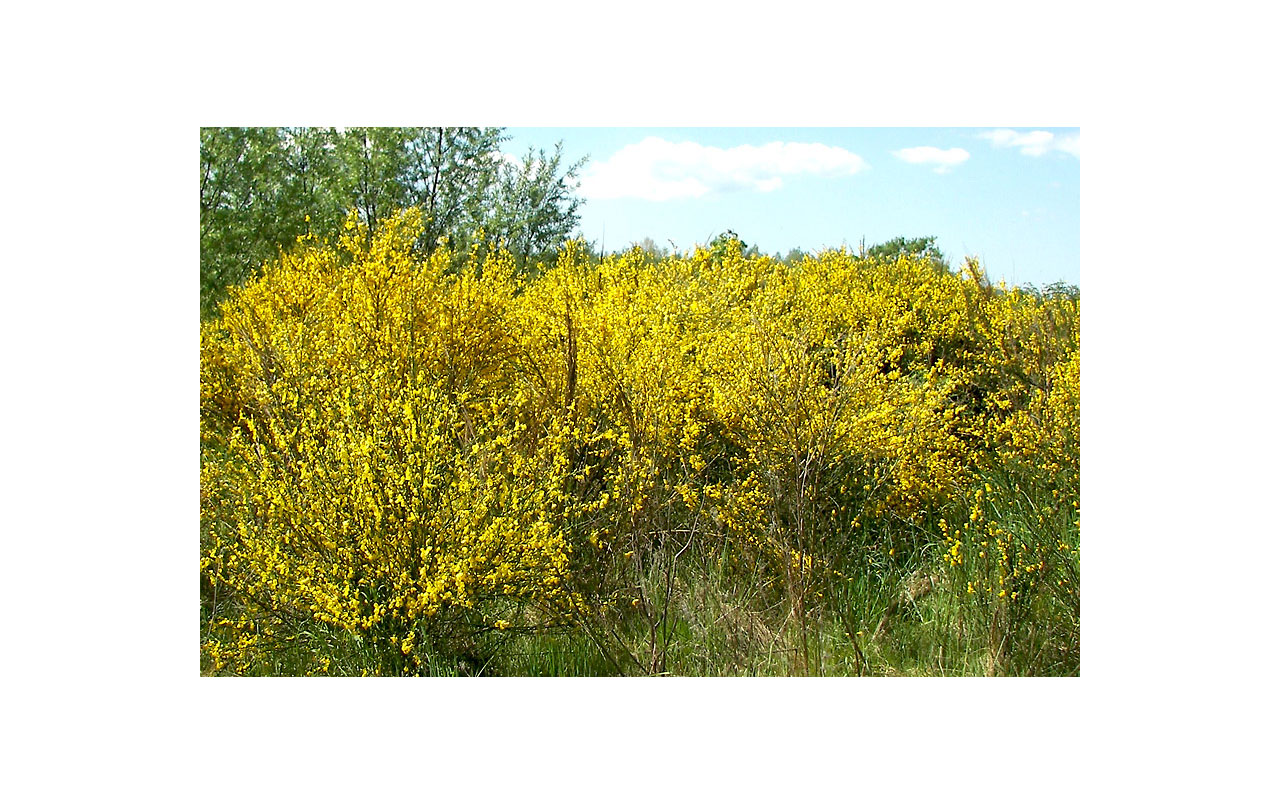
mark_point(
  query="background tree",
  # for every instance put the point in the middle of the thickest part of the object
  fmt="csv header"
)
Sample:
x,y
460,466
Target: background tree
x,y
652,248
241,176
730,243
922,247
311,171
533,207
261,188
450,172
373,174
794,256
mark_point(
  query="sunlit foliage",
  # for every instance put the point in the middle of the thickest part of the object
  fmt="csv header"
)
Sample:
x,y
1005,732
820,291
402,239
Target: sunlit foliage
x,y
400,455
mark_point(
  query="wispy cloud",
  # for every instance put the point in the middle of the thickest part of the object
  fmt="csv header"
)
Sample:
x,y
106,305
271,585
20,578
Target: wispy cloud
x,y
655,169
943,160
1034,143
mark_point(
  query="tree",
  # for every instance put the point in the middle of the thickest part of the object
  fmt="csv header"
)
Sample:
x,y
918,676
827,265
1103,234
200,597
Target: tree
x,y
240,180
652,248
261,188
311,169
794,256
373,173
730,243
449,174
533,207
925,247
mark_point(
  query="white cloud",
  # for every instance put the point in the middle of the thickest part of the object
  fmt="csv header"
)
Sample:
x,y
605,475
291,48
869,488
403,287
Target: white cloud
x,y
1034,143
943,160
1068,144
655,169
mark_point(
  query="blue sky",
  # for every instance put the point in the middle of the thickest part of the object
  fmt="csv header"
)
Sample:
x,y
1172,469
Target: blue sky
x,y
1010,196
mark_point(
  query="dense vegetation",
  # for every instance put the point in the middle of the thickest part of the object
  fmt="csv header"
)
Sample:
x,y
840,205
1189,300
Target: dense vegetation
x,y
261,188
438,460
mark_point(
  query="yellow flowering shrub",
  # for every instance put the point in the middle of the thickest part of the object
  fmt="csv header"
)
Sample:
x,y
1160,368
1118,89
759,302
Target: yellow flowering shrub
x,y
360,469
1016,548
394,447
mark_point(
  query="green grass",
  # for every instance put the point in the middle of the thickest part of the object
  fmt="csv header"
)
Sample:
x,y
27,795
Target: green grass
x,y
699,611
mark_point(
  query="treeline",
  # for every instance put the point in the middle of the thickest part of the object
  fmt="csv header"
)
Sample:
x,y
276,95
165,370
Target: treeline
x,y
262,188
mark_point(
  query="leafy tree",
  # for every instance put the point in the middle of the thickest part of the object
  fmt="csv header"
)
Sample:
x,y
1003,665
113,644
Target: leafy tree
x,y
450,173
794,256
533,206
730,244
241,178
261,188
923,247
311,171
372,177
652,248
